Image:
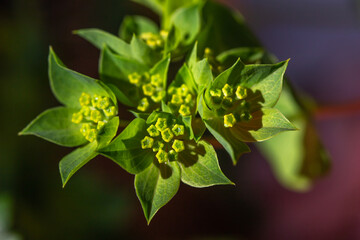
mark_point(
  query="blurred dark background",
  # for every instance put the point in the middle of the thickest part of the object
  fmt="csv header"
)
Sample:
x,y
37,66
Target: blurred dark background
x,y
322,38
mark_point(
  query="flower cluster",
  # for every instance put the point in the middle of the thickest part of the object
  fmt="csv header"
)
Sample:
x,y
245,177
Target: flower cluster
x,y
166,140
154,41
151,89
182,101
95,112
230,104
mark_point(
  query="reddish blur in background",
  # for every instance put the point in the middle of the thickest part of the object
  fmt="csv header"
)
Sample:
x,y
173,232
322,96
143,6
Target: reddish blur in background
x,y
322,38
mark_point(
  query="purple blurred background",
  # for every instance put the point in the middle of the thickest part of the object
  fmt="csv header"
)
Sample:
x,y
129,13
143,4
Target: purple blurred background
x,y
322,39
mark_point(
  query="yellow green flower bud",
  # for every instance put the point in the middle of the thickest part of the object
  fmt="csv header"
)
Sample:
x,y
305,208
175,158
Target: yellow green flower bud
x,y
229,120
147,142
188,98
85,110
91,136
103,102
164,34
158,96
95,116
110,112
208,51
85,99
162,156
157,146
184,110
85,129
178,145
178,130
134,78
227,90
173,156
183,90
161,124
143,105
167,135
156,80
152,130
94,101
215,93
148,89
176,99
100,125
241,92
77,117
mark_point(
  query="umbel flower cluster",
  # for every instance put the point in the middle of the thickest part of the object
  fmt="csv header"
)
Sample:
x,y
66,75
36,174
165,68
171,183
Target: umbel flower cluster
x,y
206,94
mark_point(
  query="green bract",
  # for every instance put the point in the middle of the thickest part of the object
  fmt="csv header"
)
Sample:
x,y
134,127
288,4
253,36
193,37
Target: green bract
x,y
159,151
237,107
88,117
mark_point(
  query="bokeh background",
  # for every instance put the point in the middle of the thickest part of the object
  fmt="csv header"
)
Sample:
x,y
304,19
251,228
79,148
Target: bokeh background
x,y
322,38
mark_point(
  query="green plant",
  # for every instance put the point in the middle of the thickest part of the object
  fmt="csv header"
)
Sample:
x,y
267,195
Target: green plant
x,y
226,84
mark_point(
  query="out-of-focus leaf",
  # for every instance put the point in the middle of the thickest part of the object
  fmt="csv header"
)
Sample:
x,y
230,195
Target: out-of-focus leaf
x,y
200,167
72,162
99,38
224,29
187,23
156,186
247,55
136,25
303,158
55,125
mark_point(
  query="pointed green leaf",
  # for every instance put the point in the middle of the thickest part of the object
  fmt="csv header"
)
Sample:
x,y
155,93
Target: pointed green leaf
x,y
200,167
108,132
265,124
54,125
136,25
68,85
187,22
156,186
192,59
116,69
162,68
266,78
142,53
100,38
126,149
202,74
72,162
227,139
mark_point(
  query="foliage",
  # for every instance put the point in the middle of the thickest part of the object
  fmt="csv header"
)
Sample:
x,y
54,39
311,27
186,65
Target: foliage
x,y
224,83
